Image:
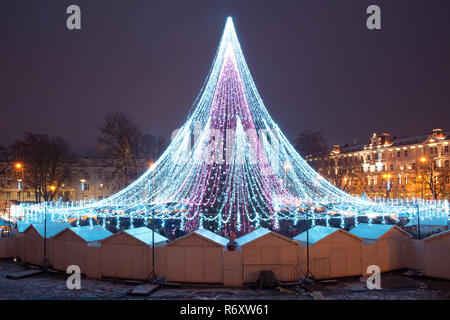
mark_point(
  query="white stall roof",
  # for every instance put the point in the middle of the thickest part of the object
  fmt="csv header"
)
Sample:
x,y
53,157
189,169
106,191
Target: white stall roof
x,y
144,234
249,237
22,226
52,228
371,231
316,233
212,236
91,233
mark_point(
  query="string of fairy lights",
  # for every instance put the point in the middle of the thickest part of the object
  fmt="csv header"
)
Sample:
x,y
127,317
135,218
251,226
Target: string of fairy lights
x,y
230,168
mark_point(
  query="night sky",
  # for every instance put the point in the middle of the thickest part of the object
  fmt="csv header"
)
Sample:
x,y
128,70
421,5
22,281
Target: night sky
x,y
314,62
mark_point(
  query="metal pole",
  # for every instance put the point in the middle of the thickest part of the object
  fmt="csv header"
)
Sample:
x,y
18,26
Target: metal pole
x,y
432,179
153,243
387,188
418,221
9,221
422,189
307,243
23,193
152,276
153,228
45,236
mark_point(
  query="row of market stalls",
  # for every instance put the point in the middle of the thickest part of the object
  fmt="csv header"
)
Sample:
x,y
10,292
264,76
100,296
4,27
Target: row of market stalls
x,y
205,257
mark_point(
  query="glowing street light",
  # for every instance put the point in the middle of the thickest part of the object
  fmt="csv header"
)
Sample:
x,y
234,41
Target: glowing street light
x,y
287,166
82,188
387,177
19,166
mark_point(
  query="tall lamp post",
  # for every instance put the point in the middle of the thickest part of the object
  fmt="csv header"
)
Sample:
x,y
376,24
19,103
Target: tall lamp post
x,y
387,177
152,277
19,186
307,244
287,167
82,188
45,263
309,277
19,166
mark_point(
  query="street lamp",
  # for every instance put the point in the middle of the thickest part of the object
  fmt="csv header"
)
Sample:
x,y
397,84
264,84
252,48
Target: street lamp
x,y
19,166
52,188
308,275
287,166
387,177
152,277
45,263
19,186
82,188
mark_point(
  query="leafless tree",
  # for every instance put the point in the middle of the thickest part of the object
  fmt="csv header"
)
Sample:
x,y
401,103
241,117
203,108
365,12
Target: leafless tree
x,y
433,179
122,145
119,144
310,143
46,163
342,172
5,160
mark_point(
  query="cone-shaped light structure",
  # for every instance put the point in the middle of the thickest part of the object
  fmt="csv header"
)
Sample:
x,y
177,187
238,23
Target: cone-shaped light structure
x,y
230,168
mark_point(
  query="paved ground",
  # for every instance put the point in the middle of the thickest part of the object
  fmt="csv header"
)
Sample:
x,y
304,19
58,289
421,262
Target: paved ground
x,y
52,286
395,286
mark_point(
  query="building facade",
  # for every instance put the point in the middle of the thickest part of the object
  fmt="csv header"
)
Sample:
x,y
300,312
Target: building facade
x,y
406,167
91,178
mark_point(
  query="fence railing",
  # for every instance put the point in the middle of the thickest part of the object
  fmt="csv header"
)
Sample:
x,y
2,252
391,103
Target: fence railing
x,y
320,268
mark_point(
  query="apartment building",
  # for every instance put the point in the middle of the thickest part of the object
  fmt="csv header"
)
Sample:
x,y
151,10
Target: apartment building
x,y
91,178
392,167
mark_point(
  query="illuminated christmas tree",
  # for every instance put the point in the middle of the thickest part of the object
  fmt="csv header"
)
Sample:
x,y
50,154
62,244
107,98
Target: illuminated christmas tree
x,y
230,168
